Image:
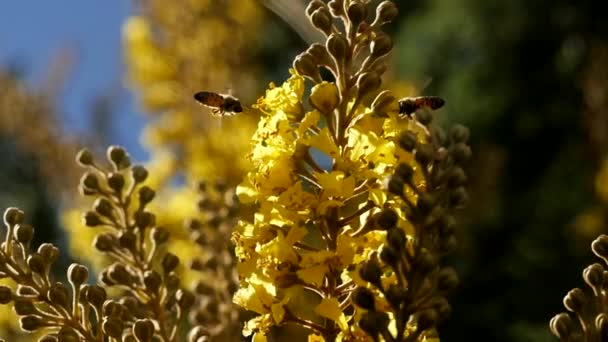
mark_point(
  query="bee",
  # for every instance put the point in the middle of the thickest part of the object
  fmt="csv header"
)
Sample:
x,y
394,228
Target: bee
x,y
220,104
409,105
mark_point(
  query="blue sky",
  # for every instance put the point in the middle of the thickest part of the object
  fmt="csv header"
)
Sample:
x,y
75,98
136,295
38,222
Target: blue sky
x,y
32,32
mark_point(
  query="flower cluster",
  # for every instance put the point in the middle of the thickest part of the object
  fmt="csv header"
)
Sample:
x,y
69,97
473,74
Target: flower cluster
x,y
588,305
322,160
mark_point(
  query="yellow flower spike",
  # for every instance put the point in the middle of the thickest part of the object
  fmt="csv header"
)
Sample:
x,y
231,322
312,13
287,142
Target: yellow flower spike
x,y
324,142
335,184
161,95
313,275
324,97
286,98
330,308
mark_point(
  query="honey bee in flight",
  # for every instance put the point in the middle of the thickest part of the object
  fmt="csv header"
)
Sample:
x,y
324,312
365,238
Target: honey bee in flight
x,y
220,104
409,105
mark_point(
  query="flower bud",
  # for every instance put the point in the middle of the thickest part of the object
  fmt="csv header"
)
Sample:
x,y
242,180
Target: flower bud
x,y
372,322
575,300
112,327
424,154
459,198
24,233
599,246
26,291
13,216
427,319
169,262
313,6
367,83
91,219
25,306
146,195
364,298
356,12
6,294
601,323
84,157
370,271
389,256
48,338
36,263
405,171
460,152
104,242
424,117
381,46
198,334
386,12
96,295
143,329
318,53
58,295
185,299
306,66
31,323
77,274
447,279
396,186
561,326
387,219
396,238
384,102
160,235
425,203
116,181
456,177
139,173
324,97
120,274
336,45
127,240
144,219
152,280
103,207
336,7
408,141
459,134
118,157
593,276
89,184
395,295
321,19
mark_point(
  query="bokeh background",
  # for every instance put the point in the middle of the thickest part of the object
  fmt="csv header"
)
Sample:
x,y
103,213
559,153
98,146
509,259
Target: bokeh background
x,y
529,77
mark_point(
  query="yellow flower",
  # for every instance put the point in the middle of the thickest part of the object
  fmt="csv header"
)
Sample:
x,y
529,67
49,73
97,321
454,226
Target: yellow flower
x,y
324,97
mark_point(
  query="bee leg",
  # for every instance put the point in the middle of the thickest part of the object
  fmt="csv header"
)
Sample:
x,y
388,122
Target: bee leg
x,y
216,112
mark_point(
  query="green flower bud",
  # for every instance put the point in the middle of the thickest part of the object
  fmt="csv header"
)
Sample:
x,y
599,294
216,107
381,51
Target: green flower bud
x,y
395,295
396,238
336,45
116,181
185,299
408,141
118,157
370,271
386,12
127,240
600,246
381,46
37,264
143,329
103,207
364,298
96,295
405,171
456,177
424,154
24,233
562,326
396,186
84,157
424,117
389,256
575,300
593,276
139,173
319,54
384,102
305,65
104,242
447,279
169,262
13,216
59,295
146,195
91,219
336,7
459,198
160,235
368,82
77,274
356,12
387,219
120,274
31,323
459,134
144,219
460,152
427,319
112,327
313,6
321,19
6,294
25,306
152,280
67,335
